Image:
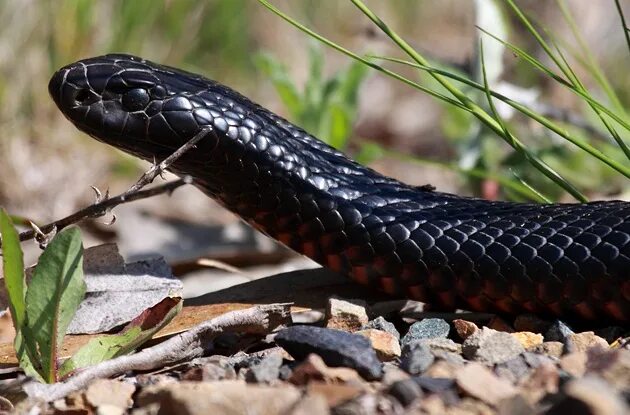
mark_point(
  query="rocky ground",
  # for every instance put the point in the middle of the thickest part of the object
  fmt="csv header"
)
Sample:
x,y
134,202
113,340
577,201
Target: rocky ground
x,y
343,362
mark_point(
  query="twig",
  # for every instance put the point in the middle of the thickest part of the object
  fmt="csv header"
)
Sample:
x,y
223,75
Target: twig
x,y
185,346
158,169
101,207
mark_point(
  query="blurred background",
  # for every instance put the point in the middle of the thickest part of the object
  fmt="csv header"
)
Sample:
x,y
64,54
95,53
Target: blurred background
x,y
47,166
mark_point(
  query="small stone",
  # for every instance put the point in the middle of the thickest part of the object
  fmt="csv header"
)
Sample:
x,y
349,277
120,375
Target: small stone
x,y
311,404
542,381
574,364
531,322
557,332
443,369
589,396
514,369
109,410
464,328
534,360
581,342
491,347
439,346
386,344
432,405
334,394
224,397
551,349
417,358
392,373
346,315
313,369
335,347
515,405
406,391
528,339
429,328
612,365
210,371
434,385
110,392
379,323
267,370
469,406
369,403
477,381
499,324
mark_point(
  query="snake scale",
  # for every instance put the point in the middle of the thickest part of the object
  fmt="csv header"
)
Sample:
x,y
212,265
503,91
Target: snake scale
x,y
565,260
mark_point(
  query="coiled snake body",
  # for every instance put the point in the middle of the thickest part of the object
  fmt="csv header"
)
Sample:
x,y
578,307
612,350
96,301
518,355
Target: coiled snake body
x,y
570,260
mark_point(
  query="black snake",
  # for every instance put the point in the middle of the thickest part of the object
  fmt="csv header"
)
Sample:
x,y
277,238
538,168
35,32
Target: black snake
x,y
570,260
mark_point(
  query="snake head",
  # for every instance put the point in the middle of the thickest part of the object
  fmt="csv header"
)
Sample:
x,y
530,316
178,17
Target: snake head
x,y
138,106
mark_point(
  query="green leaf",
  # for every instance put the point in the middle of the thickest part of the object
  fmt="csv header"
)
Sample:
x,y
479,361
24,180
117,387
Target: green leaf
x,y
138,331
339,125
54,294
282,83
13,267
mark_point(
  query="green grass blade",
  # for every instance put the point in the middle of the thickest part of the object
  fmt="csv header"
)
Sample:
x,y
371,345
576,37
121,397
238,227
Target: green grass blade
x,y
371,150
54,294
361,59
590,100
624,25
620,167
475,109
589,61
520,148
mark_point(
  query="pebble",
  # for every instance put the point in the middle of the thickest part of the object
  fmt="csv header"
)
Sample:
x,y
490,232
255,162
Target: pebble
x,y
581,342
613,365
589,396
429,328
464,328
380,323
534,360
313,369
441,345
434,385
491,347
348,315
528,339
267,370
574,363
514,369
416,358
558,332
334,394
385,344
479,382
406,391
335,347
542,381
551,349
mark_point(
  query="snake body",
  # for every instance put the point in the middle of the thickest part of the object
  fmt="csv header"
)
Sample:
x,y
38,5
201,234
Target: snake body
x,y
569,260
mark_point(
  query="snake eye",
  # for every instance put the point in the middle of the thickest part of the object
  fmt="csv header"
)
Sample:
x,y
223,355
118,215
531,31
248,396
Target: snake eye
x,y
135,99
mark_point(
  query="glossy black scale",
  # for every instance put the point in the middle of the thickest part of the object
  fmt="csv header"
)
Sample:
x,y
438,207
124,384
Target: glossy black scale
x,y
567,260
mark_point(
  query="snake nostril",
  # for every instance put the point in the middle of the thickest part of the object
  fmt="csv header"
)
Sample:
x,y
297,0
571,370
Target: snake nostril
x,y
82,96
